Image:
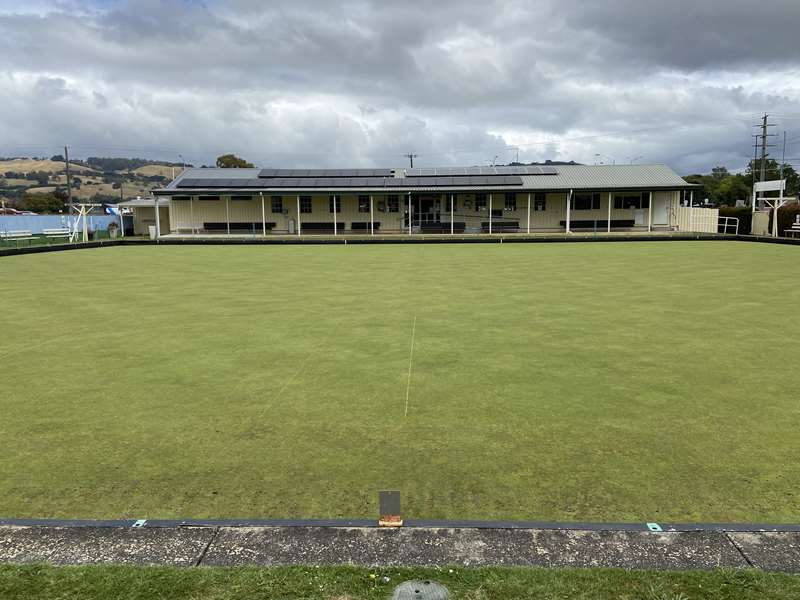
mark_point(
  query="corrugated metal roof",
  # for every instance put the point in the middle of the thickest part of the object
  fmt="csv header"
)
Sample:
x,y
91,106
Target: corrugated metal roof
x,y
593,177
575,177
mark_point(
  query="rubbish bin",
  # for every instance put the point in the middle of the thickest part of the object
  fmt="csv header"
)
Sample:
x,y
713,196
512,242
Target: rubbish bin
x,y
152,231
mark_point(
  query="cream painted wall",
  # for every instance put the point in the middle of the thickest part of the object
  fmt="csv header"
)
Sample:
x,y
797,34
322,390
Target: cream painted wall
x,y
185,215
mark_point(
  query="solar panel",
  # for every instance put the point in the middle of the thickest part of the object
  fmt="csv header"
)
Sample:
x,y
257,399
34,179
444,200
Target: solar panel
x,y
477,171
273,173
455,180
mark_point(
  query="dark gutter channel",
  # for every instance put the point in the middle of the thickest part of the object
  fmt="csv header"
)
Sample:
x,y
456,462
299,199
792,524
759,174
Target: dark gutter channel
x,y
408,524
401,239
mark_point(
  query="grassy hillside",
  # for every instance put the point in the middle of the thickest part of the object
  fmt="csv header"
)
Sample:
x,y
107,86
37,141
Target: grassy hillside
x,y
87,183
27,165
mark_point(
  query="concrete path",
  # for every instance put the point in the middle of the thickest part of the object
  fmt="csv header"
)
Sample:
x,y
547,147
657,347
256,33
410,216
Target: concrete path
x,y
373,547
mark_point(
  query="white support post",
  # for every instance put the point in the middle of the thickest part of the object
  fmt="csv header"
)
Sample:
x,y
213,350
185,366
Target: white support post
x,y
409,213
490,214
335,226
121,222
650,213
529,214
452,214
691,210
263,215
608,224
778,204
298,216
371,216
569,210
228,213
86,224
158,221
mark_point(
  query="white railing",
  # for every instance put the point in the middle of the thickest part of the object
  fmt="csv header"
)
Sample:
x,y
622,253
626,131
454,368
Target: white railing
x,y
726,222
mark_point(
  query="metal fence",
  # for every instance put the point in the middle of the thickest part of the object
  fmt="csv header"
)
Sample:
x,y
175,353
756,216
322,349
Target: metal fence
x,y
36,223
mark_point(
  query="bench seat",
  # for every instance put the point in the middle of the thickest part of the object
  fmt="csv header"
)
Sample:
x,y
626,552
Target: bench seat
x,y
324,227
247,226
443,227
500,226
364,225
599,223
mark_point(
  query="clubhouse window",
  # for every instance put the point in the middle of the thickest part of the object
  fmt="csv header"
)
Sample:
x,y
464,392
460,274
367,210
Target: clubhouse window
x,y
539,202
480,202
511,201
586,201
363,204
181,198
208,198
337,200
393,203
305,204
277,204
632,200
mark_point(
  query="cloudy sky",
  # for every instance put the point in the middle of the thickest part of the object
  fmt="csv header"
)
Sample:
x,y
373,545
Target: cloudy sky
x,y
361,83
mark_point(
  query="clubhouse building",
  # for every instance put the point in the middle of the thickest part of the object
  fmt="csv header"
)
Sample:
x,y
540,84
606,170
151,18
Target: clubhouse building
x,y
447,201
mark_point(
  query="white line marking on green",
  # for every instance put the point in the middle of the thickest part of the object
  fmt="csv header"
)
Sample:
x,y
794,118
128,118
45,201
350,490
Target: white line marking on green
x,y
410,362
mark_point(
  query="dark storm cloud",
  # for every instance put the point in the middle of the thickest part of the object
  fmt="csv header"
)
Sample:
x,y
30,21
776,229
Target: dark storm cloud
x,y
321,83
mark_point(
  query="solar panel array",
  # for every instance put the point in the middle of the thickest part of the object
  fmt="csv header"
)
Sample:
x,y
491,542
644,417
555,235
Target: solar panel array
x,y
466,171
272,173
353,182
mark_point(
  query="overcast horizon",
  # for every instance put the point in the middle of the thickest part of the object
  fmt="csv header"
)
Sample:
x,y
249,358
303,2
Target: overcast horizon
x,y
318,84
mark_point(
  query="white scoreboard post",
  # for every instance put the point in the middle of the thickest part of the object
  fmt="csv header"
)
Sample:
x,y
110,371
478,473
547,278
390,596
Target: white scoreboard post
x,y
775,185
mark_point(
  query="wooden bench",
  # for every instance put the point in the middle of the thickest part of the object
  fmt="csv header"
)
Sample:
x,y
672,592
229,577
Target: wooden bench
x,y
16,235
599,224
326,227
364,225
62,232
500,226
794,230
239,226
443,227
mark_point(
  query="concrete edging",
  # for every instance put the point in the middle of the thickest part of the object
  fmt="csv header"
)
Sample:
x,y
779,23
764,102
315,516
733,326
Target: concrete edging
x,y
189,546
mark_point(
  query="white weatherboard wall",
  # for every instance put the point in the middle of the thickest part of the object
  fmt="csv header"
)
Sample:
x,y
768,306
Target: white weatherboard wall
x,y
697,220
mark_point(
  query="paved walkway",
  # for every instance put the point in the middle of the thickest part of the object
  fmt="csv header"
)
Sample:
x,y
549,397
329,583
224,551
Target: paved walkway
x,y
373,547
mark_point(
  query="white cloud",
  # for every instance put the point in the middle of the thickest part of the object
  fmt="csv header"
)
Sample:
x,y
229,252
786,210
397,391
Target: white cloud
x,y
362,83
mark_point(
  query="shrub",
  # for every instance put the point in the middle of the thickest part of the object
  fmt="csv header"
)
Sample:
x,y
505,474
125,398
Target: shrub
x,y
744,214
786,216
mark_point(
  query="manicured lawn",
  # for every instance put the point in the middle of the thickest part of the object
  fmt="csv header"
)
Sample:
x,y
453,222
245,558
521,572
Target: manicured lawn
x,y
350,583
601,381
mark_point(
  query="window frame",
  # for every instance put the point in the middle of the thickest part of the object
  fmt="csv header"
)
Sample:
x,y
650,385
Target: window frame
x,y
592,197
481,202
363,203
306,205
331,204
510,201
272,201
393,203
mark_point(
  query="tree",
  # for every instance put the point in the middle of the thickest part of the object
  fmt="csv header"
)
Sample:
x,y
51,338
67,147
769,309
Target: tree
x,y
773,171
41,203
231,161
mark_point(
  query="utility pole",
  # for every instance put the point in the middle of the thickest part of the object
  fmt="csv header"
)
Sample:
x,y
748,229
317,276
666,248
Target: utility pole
x,y
411,158
763,137
69,182
764,126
